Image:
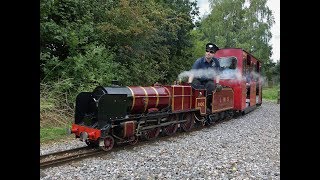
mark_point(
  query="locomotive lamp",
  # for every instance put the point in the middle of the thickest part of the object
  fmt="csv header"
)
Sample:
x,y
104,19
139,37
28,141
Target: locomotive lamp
x,y
83,136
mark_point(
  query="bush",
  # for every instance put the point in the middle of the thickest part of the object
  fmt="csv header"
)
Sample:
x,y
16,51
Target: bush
x,y
55,110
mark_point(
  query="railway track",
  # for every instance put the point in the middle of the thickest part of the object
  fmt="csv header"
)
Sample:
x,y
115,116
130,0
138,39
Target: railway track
x,y
45,156
57,158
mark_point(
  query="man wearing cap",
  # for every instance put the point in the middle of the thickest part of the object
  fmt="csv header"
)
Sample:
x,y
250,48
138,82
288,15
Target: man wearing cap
x,y
211,67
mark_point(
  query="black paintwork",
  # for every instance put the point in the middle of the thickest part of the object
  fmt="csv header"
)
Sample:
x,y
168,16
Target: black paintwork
x,y
102,105
85,107
111,106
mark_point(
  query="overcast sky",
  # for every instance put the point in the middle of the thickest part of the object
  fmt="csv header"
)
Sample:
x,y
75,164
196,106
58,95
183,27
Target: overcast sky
x,y
274,6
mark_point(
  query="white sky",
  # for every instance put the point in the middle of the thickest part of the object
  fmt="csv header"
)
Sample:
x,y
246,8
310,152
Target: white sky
x,y
274,6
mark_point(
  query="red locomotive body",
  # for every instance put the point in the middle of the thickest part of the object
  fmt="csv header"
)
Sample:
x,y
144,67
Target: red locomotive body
x,y
223,100
181,97
144,98
124,114
247,84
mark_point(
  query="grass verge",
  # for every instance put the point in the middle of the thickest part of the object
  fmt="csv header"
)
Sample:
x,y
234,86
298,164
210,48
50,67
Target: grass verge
x,y
270,93
52,134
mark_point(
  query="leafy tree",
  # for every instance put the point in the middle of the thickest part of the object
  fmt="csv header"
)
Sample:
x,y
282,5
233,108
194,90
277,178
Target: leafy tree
x,y
66,27
81,72
149,38
240,23
271,70
181,17
86,43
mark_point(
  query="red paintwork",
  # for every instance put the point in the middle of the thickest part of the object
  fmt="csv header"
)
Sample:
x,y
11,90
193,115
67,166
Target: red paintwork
x,y
128,128
145,98
197,93
93,134
200,103
239,91
236,52
181,97
253,94
222,100
243,96
239,85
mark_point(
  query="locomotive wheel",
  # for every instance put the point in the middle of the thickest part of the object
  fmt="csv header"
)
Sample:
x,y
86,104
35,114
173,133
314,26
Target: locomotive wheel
x,y
133,140
108,143
151,134
188,125
172,128
92,144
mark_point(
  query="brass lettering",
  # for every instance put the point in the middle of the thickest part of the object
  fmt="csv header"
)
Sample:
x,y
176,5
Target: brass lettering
x,y
200,104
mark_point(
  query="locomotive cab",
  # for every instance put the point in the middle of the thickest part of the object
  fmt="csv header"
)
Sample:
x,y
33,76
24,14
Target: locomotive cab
x,y
246,82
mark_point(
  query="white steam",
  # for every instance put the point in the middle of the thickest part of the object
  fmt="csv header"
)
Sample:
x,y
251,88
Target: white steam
x,y
209,73
233,74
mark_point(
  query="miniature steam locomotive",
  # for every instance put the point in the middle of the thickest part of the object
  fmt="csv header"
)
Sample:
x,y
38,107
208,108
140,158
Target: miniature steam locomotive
x,y
116,114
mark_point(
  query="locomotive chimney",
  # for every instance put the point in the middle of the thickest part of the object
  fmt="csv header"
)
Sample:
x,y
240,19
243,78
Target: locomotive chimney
x,y
114,83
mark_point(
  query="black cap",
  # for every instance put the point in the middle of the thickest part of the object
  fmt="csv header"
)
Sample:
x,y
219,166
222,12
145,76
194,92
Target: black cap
x,y
212,47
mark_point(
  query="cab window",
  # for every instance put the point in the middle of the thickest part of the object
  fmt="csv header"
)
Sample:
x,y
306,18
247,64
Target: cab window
x,y
228,67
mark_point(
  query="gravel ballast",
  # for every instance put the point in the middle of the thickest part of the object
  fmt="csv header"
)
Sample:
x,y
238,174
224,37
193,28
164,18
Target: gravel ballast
x,y
247,147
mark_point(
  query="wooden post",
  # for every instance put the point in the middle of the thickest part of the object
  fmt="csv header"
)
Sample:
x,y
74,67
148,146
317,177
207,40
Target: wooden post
x,y
278,102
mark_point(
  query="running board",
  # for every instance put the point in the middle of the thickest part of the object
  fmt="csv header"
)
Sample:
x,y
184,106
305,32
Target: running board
x,y
160,125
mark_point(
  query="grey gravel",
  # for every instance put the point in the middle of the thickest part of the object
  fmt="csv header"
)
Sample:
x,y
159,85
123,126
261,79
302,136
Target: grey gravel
x,y
247,147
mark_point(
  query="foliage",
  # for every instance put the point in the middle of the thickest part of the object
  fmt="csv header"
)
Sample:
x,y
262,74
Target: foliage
x,y
68,34
142,40
148,38
270,93
239,23
55,107
80,72
199,43
272,71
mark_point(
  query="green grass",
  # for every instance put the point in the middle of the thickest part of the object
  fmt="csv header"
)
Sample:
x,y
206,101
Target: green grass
x,y
270,93
54,133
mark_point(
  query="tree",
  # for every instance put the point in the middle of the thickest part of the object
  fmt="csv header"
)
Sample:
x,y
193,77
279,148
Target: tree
x,y
271,70
240,23
142,42
150,38
66,28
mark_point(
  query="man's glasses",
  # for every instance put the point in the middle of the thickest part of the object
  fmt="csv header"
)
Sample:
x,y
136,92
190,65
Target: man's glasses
x,y
212,52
